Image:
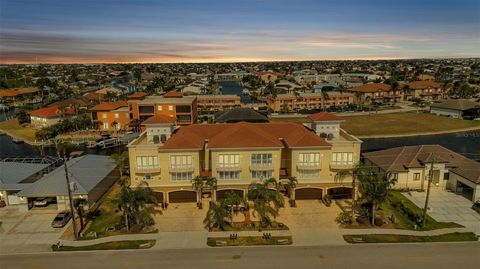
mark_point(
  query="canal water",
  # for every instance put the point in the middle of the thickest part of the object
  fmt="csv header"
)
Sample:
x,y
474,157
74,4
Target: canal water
x,y
10,149
466,143
236,88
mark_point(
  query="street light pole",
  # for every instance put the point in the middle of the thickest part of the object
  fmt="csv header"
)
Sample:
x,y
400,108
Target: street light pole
x,y
72,211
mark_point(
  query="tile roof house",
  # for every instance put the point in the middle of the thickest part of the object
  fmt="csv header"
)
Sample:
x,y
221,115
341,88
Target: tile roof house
x,y
237,154
111,115
50,115
412,166
456,108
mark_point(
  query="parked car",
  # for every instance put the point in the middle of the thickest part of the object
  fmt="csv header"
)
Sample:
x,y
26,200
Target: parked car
x,y
43,201
61,219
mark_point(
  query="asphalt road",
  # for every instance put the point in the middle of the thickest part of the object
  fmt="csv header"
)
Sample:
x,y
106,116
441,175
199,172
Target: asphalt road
x,y
424,256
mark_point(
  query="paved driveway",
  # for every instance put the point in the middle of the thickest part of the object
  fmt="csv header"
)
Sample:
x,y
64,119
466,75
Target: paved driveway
x,y
27,231
181,217
448,207
312,223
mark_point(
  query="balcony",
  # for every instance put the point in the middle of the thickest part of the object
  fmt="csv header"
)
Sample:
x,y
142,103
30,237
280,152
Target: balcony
x,y
341,166
148,169
261,166
309,166
228,167
181,168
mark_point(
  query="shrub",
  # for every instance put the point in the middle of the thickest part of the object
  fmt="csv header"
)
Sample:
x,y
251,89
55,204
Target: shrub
x,y
344,218
378,221
363,216
326,200
93,214
409,213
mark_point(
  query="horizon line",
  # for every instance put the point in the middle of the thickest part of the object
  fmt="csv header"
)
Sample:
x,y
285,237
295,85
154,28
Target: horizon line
x,y
255,61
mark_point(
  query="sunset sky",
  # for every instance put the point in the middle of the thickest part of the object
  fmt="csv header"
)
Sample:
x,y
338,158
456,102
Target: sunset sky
x,y
85,31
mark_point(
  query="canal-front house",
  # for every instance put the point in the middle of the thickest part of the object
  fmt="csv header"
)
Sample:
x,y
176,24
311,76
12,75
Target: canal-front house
x,y
412,166
168,157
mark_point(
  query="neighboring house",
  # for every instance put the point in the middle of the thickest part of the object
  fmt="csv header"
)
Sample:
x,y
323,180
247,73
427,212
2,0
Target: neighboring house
x,y
456,108
111,115
19,173
374,92
182,108
239,115
218,102
90,177
196,87
21,96
232,76
287,86
47,116
268,77
308,101
427,90
240,153
412,165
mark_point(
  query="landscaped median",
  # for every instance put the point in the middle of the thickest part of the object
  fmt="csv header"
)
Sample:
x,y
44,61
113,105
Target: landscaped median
x,y
404,238
127,244
248,241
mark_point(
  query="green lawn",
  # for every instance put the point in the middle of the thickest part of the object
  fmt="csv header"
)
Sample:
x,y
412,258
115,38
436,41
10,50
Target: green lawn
x,y
250,241
402,222
403,123
395,123
13,127
108,217
133,244
395,238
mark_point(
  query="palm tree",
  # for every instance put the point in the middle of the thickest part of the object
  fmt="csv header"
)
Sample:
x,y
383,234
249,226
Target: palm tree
x,y
266,199
62,111
75,108
354,174
217,215
234,201
79,204
325,97
290,188
133,203
197,184
374,188
121,160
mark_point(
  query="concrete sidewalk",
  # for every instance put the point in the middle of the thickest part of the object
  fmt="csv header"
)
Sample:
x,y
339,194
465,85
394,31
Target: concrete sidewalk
x,y
405,232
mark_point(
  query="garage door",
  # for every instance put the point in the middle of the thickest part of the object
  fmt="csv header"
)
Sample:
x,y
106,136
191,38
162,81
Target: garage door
x,y
222,194
308,194
158,196
182,197
340,193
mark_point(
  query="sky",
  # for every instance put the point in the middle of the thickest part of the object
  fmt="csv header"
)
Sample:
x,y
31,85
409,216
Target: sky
x,y
121,31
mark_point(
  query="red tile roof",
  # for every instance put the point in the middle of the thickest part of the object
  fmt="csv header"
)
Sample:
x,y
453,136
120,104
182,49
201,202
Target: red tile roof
x,y
137,95
371,87
244,135
19,91
325,116
159,119
50,112
418,85
107,106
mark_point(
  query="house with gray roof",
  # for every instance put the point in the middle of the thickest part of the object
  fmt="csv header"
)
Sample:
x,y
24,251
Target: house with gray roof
x,y
456,108
413,165
90,177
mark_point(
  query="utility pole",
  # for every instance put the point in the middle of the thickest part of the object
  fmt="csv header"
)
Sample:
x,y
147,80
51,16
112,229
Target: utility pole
x,y
429,184
72,211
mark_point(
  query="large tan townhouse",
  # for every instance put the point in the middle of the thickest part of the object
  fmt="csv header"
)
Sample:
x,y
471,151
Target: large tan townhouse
x,y
168,157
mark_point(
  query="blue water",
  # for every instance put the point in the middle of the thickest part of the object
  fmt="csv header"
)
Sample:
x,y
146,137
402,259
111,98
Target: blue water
x,y
466,143
234,87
